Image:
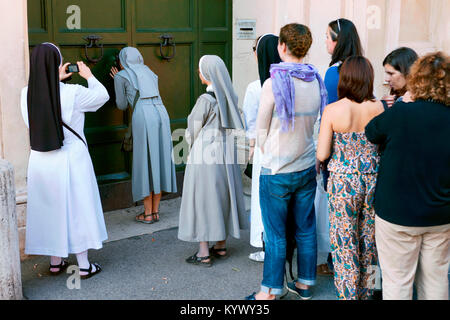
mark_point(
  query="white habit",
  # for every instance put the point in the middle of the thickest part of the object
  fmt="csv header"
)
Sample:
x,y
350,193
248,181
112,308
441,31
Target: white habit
x,y
64,212
250,108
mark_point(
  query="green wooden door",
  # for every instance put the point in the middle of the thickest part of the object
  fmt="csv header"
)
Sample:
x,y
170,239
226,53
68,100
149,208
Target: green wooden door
x,y
196,27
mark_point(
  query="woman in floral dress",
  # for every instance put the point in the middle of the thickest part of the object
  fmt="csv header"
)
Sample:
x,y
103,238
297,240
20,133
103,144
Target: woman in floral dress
x,y
353,171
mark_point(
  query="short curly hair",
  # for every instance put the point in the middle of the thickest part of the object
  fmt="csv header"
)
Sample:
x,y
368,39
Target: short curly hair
x,y
297,37
429,78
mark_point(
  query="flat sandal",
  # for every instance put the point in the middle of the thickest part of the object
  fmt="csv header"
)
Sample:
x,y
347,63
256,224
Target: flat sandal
x,y
216,252
198,261
145,216
98,269
62,267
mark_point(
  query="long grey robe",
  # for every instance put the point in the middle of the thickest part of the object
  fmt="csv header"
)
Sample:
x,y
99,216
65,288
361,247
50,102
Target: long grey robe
x,y
212,205
153,169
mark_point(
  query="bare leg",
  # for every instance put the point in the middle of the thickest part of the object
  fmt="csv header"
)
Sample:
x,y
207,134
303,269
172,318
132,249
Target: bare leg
x,y
155,204
264,296
221,245
148,204
54,261
148,209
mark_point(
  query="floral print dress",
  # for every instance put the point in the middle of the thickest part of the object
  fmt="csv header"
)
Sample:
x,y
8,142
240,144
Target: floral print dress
x,y
351,187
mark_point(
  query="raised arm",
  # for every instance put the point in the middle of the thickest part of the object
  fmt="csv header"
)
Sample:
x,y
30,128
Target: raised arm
x,y
121,95
90,99
265,111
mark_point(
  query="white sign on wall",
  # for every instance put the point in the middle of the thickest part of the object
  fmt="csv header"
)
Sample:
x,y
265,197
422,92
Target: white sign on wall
x,y
246,29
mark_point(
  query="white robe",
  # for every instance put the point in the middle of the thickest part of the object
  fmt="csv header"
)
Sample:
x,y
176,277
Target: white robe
x,y
64,211
250,108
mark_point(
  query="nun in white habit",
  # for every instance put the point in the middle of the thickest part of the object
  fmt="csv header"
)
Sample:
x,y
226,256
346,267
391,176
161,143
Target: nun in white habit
x,y
64,212
212,205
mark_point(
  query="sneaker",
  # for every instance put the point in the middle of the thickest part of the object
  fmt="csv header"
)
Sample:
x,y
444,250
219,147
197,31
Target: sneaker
x,y
304,294
257,256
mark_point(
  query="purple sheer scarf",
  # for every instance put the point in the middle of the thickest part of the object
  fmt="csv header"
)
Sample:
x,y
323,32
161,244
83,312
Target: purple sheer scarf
x,y
284,91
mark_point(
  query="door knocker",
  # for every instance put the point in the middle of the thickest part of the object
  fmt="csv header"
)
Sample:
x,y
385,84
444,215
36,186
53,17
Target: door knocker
x,y
93,43
166,41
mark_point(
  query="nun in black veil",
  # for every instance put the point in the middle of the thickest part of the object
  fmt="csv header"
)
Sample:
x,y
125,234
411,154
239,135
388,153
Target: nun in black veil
x,y
64,212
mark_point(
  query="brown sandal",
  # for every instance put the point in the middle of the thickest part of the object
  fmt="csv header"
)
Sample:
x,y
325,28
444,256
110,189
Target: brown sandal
x,y
144,217
155,216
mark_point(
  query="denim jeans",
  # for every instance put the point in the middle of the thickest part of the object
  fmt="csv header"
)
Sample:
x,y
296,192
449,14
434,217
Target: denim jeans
x,y
282,195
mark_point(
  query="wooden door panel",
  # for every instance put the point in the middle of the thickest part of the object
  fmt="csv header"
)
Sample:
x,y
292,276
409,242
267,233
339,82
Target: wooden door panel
x,y
215,26
40,27
105,128
175,78
214,15
168,15
93,16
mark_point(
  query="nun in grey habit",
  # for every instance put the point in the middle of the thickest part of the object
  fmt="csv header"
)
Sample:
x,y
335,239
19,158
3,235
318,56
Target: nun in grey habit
x,y
153,169
212,205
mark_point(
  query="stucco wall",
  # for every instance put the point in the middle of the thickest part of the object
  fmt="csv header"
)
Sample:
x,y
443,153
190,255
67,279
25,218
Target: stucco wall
x,y
14,140
13,64
383,25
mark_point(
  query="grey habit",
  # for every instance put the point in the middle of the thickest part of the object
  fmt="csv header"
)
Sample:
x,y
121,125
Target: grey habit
x,y
153,168
212,206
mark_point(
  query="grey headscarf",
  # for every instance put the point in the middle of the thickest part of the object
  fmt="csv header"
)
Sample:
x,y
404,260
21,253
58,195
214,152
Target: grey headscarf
x,y
214,70
142,78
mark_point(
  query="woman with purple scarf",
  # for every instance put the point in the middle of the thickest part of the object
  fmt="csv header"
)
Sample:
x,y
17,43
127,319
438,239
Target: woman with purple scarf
x,y
289,106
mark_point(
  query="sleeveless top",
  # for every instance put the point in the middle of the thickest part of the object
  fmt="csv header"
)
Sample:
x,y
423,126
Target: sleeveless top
x,y
353,153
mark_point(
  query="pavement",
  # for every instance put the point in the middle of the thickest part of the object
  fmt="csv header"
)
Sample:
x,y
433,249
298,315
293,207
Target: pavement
x,y
142,261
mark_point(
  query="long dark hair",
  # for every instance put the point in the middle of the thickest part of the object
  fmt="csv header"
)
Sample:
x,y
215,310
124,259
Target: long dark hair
x,y
348,43
401,59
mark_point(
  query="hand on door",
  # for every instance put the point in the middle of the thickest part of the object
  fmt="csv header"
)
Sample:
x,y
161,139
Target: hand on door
x,y
113,72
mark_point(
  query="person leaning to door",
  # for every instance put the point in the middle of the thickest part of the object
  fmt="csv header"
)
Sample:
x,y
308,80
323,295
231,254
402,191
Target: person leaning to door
x,y
153,169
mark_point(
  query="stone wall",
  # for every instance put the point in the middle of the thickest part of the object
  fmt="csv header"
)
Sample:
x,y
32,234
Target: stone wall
x,y
10,275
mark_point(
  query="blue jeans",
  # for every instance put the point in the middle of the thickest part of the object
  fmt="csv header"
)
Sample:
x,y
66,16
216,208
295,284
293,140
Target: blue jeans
x,y
282,195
